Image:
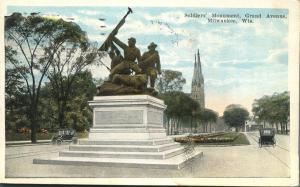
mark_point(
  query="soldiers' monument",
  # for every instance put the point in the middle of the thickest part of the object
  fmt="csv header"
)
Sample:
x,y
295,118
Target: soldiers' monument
x,y
127,119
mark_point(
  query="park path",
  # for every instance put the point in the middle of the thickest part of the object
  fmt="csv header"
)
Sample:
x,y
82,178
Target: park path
x,y
226,161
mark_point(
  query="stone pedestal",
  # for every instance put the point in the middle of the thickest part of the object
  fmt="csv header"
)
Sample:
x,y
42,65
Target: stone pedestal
x,y
127,132
135,117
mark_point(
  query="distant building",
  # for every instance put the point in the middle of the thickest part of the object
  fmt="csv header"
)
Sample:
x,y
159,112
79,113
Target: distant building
x,y
197,92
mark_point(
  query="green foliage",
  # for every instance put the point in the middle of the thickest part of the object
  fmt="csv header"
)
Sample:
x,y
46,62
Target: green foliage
x,y
235,116
77,113
179,104
36,42
273,109
170,81
207,115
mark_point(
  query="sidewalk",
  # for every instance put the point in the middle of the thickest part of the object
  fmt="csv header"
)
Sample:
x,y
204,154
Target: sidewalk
x,y
233,161
25,142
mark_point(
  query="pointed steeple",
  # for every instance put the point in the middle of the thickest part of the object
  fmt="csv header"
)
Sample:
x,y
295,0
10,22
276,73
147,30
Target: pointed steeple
x,y
195,70
198,82
199,62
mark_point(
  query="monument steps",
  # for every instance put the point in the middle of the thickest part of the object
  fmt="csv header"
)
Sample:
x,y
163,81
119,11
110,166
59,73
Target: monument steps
x,y
126,126
124,148
127,155
127,132
126,142
175,162
131,130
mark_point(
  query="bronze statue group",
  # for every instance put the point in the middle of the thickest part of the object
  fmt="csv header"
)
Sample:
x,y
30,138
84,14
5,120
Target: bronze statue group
x,y
130,72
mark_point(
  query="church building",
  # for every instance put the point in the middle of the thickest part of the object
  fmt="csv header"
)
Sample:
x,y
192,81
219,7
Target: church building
x,y
197,92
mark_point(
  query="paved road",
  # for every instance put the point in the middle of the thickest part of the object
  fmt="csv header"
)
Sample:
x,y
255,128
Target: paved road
x,y
280,151
231,161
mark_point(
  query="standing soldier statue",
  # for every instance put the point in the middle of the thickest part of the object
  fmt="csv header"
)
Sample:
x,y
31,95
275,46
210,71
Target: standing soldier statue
x,y
150,63
131,54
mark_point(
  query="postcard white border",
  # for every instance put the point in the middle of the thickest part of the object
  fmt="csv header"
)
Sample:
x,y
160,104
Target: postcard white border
x,y
293,84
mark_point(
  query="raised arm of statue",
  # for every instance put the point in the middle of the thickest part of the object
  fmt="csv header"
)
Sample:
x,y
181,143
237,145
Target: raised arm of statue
x,y
119,43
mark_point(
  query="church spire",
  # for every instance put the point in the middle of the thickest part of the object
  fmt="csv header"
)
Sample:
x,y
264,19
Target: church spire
x,y
198,82
199,62
195,70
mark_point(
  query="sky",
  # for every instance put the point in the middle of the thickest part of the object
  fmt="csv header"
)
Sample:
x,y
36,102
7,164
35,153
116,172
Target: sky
x,y
240,61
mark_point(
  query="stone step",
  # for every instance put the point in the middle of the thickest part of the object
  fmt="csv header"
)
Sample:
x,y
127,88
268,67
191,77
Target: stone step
x,y
176,162
130,130
126,142
131,155
122,126
124,148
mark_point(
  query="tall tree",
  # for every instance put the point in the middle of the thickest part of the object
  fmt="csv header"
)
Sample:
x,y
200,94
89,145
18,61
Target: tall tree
x,y
235,116
170,81
206,117
179,105
68,62
36,40
273,109
15,94
79,114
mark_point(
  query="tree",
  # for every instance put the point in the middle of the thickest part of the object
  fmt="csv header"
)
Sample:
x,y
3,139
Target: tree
x,y
235,116
170,81
36,40
15,98
68,62
78,114
273,109
179,105
207,117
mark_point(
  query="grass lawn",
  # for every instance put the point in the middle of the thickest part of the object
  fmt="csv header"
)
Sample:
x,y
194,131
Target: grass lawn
x,y
39,136
241,139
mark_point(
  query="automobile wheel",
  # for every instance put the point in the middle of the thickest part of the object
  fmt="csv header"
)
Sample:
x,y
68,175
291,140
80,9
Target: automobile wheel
x,y
58,141
53,142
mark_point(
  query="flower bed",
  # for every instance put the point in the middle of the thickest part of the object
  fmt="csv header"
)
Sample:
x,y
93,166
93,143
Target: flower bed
x,y
210,138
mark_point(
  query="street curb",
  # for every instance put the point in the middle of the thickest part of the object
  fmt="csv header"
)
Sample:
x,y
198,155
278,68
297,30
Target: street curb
x,y
26,142
29,142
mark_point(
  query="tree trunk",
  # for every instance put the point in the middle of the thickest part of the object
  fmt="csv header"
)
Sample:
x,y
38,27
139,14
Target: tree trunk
x,y
33,123
191,124
168,126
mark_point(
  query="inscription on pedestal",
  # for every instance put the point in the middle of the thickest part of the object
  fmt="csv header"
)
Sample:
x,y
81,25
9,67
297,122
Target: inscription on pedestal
x,y
155,117
119,117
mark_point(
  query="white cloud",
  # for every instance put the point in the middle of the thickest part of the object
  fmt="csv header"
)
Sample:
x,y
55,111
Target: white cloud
x,y
146,28
100,71
90,12
174,17
259,28
276,54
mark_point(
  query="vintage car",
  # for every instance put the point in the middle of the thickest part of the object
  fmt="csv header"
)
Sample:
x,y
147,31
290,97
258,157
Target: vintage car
x,y
64,135
267,137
